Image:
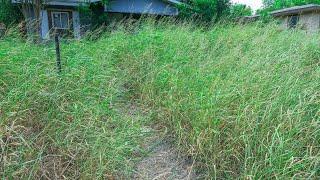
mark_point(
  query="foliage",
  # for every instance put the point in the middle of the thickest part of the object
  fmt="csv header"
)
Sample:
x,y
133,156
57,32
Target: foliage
x,y
93,15
206,10
239,10
9,14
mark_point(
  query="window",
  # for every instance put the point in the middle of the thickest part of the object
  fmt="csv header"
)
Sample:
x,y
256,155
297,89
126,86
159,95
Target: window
x,y
60,20
293,21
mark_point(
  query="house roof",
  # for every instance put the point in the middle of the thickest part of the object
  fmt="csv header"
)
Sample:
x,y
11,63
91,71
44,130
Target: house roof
x,y
296,10
69,2
252,17
156,7
73,3
177,2
80,2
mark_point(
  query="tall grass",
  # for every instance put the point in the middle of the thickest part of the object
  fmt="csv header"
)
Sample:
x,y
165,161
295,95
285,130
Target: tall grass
x,y
63,126
243,101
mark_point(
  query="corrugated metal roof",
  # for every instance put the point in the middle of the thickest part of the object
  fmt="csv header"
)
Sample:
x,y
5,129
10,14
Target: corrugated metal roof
x,y
296,10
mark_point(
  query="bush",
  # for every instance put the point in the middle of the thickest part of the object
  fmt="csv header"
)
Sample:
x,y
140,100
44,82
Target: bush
x,y
239,10
9,14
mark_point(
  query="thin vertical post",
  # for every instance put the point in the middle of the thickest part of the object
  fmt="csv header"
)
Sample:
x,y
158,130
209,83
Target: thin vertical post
x,y
56,39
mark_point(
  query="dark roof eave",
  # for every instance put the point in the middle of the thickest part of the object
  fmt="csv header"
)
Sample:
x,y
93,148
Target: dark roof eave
x,y
296,10
175,2
144,13
73,3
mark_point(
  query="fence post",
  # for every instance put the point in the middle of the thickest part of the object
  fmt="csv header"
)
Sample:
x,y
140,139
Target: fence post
x,y
57,43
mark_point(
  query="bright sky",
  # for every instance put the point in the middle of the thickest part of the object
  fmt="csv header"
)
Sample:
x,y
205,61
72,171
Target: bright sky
x,y
255,4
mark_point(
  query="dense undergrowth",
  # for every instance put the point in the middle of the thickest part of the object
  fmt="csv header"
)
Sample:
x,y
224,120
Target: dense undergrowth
x,y
243,101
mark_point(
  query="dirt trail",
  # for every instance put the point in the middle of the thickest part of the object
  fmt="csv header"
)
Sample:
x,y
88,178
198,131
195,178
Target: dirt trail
x,y
163,161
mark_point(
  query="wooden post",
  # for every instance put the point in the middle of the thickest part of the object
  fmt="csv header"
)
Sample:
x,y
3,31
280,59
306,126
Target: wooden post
x,y
56,39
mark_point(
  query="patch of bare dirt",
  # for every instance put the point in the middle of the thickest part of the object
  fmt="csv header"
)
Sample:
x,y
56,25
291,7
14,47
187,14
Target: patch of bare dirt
x,y
163,161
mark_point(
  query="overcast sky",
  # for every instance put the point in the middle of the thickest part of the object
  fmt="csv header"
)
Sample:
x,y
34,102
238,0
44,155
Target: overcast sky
x,y
255,4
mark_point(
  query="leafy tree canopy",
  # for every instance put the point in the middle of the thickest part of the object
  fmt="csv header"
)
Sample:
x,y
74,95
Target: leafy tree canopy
x,y
207,10
239,10
9,14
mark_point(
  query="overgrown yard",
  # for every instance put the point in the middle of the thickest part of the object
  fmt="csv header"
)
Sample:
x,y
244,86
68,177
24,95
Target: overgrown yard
x,y
63,126
243,101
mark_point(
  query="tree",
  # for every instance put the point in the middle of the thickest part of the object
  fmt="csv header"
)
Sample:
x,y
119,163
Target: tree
x,y
9,14
239,10
206,10
268,3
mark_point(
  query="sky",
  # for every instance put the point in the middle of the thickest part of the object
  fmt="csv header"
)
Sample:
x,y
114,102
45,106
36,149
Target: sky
x,y
255,4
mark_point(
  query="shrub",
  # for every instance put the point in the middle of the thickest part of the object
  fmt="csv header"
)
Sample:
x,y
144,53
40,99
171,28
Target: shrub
x,y
9,14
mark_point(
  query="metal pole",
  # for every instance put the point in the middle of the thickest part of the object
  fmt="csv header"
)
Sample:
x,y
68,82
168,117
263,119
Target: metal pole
x,y
56,39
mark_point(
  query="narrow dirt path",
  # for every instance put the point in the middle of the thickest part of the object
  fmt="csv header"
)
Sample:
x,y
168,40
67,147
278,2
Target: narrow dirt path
x,y
163,161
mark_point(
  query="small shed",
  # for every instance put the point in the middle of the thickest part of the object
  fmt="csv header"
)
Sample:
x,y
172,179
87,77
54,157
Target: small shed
x,y
64,15
305,17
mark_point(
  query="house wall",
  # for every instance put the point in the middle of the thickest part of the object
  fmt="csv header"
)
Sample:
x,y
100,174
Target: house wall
x,y
307,21
283,22
310,22
30,21
45,24
141,6
76,24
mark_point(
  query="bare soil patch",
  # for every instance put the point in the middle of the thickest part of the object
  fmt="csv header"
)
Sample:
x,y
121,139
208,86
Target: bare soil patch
x,y
163,161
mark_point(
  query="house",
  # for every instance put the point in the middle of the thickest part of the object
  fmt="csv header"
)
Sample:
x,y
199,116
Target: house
x,y
306,17
63,15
